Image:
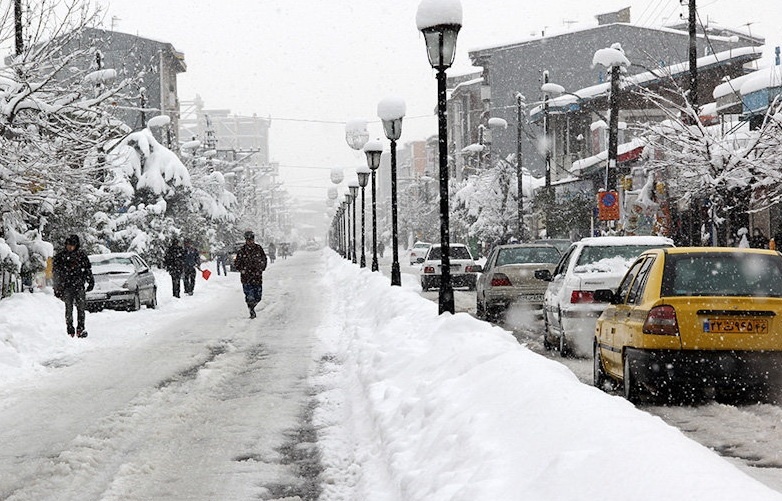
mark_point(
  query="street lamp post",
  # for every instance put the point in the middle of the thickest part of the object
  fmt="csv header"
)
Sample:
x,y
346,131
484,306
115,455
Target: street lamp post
x,y
353,187
391,110
374,150
350,243
363,178
440,22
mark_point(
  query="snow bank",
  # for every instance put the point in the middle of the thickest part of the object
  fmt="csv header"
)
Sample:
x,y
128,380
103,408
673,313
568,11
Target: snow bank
x,y
458,410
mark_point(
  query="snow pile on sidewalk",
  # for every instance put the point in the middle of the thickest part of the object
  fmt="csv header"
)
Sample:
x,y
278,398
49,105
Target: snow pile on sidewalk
x,y
416,406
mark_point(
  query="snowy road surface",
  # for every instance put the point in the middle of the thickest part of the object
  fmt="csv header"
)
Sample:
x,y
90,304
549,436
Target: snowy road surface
x,y
190,401
343,389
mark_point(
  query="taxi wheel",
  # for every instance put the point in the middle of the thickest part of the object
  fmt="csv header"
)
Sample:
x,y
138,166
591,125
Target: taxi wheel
x,y
599,376
632,391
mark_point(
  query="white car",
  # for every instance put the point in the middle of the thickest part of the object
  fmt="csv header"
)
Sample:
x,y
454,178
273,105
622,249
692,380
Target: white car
x,y
418,251
463,267
123,280
569,308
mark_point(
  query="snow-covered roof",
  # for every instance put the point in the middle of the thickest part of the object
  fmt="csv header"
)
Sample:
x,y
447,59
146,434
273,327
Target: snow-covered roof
x,y
643,79
554,33
579,166
763,79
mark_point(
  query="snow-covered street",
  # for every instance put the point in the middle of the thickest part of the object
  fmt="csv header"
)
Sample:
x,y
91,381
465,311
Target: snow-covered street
x,y
344,388
189,401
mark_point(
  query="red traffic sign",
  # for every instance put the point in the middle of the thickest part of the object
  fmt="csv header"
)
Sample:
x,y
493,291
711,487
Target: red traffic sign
x,y
608,205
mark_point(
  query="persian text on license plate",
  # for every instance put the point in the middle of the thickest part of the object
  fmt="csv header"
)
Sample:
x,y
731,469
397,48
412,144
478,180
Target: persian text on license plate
x,y
531,297
732,326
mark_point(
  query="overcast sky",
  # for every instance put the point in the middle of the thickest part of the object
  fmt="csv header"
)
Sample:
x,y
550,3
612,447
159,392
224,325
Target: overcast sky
x,y
311,65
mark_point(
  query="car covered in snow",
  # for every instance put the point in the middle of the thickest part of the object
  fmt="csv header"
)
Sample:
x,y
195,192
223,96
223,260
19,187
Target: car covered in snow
x,y
123,280
569,306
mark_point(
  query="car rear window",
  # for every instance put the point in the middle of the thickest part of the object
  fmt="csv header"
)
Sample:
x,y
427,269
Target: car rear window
x,y
456,253
101,261
722,274
593,254
517,255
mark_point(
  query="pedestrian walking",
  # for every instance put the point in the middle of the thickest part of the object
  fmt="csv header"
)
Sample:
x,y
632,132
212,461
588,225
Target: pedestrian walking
x,y
192,261
72,271
222,257
251,262
174,262
381,247
272,252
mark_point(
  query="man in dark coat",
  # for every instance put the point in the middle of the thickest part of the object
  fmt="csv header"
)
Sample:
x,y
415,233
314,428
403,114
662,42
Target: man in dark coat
x,y
192,261
71,272
251,262
174,261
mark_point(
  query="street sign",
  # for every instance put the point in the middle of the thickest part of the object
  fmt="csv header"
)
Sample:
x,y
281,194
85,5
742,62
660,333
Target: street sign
x,y
608,205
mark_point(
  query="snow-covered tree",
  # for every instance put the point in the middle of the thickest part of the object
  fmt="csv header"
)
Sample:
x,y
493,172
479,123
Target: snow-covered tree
x,y
732,171
54,120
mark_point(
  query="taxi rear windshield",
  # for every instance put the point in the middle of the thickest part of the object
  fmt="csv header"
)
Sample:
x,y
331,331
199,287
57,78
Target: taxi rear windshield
x,y
722,274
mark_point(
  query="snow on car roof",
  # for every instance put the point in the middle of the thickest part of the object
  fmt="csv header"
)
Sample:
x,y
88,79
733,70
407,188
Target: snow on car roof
x,y
627,240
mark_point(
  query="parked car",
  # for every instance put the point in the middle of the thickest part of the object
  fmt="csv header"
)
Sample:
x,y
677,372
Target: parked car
x,y
509,278
569,306
693,317
463,267
418,251
122,281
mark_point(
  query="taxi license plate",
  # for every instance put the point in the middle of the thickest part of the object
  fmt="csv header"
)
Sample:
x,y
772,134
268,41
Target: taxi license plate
x,y
531,297
734,326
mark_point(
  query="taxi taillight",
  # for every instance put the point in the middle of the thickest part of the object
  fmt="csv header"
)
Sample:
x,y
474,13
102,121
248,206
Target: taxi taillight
x,y
661,320
428,269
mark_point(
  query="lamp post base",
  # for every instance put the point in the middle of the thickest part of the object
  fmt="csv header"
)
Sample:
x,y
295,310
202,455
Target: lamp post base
x,y
396,274
445,300
375,266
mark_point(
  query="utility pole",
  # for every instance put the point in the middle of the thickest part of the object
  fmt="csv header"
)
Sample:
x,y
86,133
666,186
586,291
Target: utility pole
x,y
18,26
693,57
519,183
546,135
613,130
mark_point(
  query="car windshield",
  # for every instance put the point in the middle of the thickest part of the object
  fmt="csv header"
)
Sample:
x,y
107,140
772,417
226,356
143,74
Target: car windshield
x,y
722,274
103,261
457,252
519,255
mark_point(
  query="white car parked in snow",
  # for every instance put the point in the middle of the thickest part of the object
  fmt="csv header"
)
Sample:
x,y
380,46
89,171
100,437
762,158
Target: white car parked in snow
x,y
569,308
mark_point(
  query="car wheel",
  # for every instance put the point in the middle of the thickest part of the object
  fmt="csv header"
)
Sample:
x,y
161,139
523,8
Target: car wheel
x,y
480,309
153,303
136,304
546,343
599,376
564,349
632,392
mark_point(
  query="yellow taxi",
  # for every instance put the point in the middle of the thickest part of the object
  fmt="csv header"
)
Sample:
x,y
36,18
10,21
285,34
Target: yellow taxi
x,y
691,319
